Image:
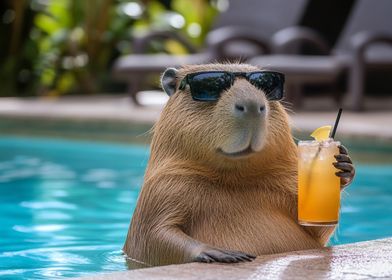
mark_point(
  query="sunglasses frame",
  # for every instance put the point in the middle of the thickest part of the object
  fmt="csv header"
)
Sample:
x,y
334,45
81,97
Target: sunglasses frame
x,y
233,76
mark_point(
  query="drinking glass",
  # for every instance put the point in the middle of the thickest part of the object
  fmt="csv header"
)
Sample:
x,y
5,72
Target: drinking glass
x,y
318,186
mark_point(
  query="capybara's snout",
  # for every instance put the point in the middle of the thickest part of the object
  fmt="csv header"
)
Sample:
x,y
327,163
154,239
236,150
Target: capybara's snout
x,y
248,109
243,114
246,102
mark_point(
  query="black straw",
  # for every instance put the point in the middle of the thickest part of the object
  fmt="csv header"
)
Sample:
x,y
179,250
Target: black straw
x,y
332,135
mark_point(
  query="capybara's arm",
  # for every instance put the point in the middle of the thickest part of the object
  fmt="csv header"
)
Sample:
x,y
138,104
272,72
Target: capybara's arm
x,y
174,246
156,236
169,244
179,248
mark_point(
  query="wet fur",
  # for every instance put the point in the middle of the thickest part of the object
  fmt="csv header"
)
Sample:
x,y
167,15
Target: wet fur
x,y
193,199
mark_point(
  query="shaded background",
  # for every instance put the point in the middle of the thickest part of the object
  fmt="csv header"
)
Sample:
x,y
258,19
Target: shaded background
x,y
65,47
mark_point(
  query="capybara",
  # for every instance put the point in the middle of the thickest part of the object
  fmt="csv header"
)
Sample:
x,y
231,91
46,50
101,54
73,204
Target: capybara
x,y
221,181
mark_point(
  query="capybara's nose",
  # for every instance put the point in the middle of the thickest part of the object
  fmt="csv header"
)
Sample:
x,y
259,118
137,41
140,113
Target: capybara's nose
x,y
249,108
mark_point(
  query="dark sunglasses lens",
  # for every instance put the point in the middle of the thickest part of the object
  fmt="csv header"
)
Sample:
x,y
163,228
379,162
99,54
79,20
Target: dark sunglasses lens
x,y
270,82
208,86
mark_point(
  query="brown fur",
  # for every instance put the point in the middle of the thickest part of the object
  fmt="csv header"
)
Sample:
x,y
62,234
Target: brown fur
x,y
194,198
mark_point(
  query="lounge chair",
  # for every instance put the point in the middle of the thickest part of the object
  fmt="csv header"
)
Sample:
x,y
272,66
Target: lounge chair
x,y
236,34
368,25
370,46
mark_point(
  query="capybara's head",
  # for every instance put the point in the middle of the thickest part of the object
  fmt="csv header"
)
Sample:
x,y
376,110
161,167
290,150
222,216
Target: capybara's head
x,y
221,114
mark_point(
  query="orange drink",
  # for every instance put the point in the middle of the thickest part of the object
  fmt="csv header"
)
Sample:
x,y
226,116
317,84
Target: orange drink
x,y
318,186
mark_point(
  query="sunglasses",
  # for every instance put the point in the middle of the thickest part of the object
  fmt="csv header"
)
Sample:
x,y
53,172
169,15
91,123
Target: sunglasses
x,y
208,86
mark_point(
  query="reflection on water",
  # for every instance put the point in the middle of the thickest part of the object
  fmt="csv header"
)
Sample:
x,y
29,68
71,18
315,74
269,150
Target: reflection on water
x,y
65,207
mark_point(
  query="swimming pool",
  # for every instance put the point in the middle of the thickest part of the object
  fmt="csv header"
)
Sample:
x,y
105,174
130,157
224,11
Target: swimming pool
x,y
65,206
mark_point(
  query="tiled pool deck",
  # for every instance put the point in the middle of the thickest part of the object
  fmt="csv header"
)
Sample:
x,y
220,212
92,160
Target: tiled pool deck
x,y
87,117
363,260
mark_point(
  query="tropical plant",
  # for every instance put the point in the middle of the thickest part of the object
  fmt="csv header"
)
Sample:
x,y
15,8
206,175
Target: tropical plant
x,y
67,46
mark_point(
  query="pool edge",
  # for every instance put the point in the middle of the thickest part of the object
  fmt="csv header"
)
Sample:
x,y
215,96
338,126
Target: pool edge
x,y
368,259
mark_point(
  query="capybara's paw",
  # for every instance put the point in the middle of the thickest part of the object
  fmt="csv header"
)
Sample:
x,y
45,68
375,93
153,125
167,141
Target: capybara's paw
x,y
226,256
346,167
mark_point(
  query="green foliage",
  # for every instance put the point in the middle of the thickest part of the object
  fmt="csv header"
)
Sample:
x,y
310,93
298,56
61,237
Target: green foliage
x,y
198,18
70,44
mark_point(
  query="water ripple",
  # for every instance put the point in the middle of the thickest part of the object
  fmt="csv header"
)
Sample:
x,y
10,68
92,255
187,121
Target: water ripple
x,y
47,205
39,228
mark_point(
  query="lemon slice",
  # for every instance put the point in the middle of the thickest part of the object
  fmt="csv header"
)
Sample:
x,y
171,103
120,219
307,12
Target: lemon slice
x,y
321,133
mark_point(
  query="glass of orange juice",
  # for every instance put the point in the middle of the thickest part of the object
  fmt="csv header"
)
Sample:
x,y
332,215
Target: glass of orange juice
x,y
318,186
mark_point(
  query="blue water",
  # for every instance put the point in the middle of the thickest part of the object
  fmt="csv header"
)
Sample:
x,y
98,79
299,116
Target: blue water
x,y
65,206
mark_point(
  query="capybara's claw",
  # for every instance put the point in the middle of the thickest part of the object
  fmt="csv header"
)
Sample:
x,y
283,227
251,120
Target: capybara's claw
x,y
202,257
224,256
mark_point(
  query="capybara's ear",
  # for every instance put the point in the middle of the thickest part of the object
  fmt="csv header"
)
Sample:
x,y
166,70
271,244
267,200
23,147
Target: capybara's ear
x,y
168,80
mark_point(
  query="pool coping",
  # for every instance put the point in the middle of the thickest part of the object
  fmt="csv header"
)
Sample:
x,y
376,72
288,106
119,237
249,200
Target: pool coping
x,y
362,260
118,110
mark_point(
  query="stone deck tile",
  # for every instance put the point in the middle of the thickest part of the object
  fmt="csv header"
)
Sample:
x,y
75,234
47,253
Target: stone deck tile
x,y
363,260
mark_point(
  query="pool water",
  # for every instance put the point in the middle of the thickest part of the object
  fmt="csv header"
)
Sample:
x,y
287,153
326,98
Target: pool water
x,y
65,206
